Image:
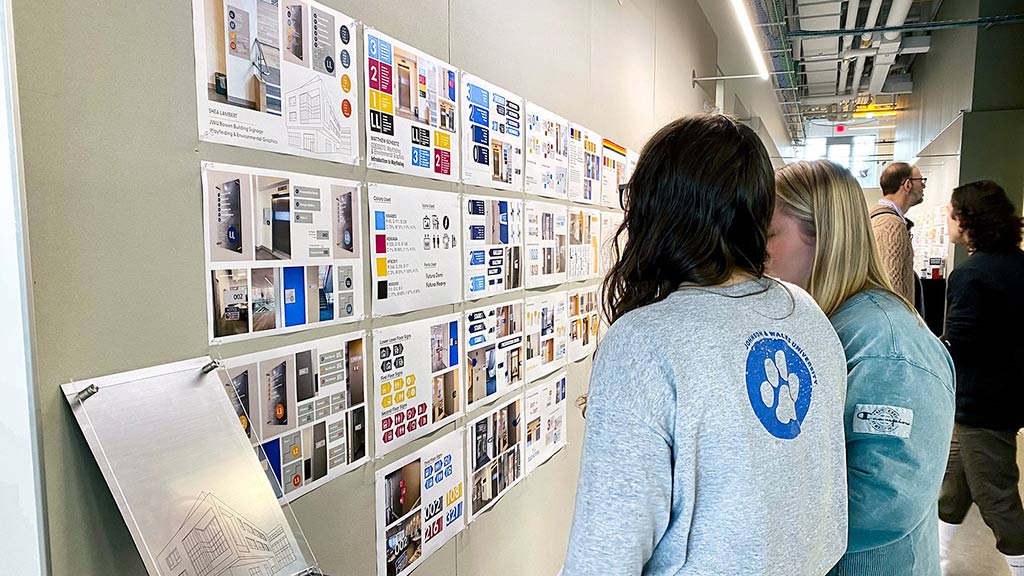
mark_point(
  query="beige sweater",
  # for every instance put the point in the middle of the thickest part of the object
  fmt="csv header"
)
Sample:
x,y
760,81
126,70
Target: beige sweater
x,y
895,249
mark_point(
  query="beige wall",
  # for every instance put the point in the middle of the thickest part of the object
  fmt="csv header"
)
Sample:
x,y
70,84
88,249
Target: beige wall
x,y
115,225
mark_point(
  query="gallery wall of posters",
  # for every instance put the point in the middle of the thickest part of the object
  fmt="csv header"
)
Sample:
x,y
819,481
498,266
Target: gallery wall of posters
x,y
305,406
546,244
584,243
412,110
492,149
584,321
494,446
495,352
417,379
420,504
181,470
584,165
278,75
283,251
613,173
545,417
547,153
415,245
546,332
610,222
492,242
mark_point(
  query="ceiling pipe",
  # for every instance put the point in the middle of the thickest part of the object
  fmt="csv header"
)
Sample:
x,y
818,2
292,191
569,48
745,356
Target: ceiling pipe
x,y
858,68
890,45
852,7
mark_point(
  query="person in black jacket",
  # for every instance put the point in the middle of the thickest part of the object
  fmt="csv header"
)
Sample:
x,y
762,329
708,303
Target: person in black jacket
x,y
985,313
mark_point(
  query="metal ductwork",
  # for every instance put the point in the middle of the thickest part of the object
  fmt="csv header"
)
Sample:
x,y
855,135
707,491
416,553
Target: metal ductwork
x,y
889,45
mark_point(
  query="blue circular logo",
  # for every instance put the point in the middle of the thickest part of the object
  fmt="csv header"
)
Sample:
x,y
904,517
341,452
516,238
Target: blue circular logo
x,y
779,384
346,59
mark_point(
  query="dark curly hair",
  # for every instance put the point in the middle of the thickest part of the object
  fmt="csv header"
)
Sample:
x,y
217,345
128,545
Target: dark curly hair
x,y
698,207
988,216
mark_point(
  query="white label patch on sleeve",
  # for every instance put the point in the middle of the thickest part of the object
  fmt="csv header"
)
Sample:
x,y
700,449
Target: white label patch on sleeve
x,y
885,420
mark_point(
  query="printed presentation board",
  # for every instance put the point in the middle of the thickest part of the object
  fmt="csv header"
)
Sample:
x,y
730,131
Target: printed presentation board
x,y
584,165
415,246
613,173
494,447
278,75
545,416
492,147
610,223
632,157
546,332
417,379
305,406
181,470
492,241
495,352
412,103
420,504
546,244
284,251
547,153
584,321
584,244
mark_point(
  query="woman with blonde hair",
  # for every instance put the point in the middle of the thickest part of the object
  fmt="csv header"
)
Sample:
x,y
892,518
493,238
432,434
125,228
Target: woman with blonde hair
x,y
900,391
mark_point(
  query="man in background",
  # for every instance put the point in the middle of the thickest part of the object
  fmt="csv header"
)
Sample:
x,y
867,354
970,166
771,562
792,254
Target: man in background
x,y
902,188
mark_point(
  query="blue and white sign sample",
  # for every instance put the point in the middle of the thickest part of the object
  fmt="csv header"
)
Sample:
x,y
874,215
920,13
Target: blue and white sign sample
x,y
420,504
495,352
547,153
412,120
492,140
493,245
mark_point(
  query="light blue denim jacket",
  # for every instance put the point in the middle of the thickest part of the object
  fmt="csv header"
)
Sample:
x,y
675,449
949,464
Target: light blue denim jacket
x,y
900,403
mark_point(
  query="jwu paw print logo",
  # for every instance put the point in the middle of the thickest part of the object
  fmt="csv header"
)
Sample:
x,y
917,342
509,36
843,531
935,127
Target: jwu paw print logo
x,y
779,385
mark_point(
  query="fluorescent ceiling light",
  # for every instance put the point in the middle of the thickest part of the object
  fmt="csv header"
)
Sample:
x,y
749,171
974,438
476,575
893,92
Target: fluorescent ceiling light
x,y
748,32
871,127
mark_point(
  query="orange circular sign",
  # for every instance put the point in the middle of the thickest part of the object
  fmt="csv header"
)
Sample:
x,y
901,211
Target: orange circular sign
x,y
279,411
346,108
346,83
296,480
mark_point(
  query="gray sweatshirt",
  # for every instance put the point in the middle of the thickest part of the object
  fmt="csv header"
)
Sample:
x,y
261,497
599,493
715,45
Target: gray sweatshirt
x,y
714,439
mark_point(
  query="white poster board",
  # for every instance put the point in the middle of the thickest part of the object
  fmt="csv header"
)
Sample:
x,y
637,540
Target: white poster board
x,y
545,415
584,165
420,504
546,244
613,173
584,243
492,148
305,405
495,352
547,153
278,76
546,333
415,245
181,470
412,102
494,450
284,251
492,243
584,321
632,157
610,222
417,379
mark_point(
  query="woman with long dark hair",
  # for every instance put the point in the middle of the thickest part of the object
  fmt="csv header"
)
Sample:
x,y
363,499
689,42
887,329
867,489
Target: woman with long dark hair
x,y
714,420
985,313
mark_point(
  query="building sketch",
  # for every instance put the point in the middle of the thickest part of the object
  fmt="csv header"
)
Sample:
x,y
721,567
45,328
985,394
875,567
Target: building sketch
x,y
214,540
312,120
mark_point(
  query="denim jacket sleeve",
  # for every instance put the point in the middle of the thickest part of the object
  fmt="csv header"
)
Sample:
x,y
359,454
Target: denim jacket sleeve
x,y
893,480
